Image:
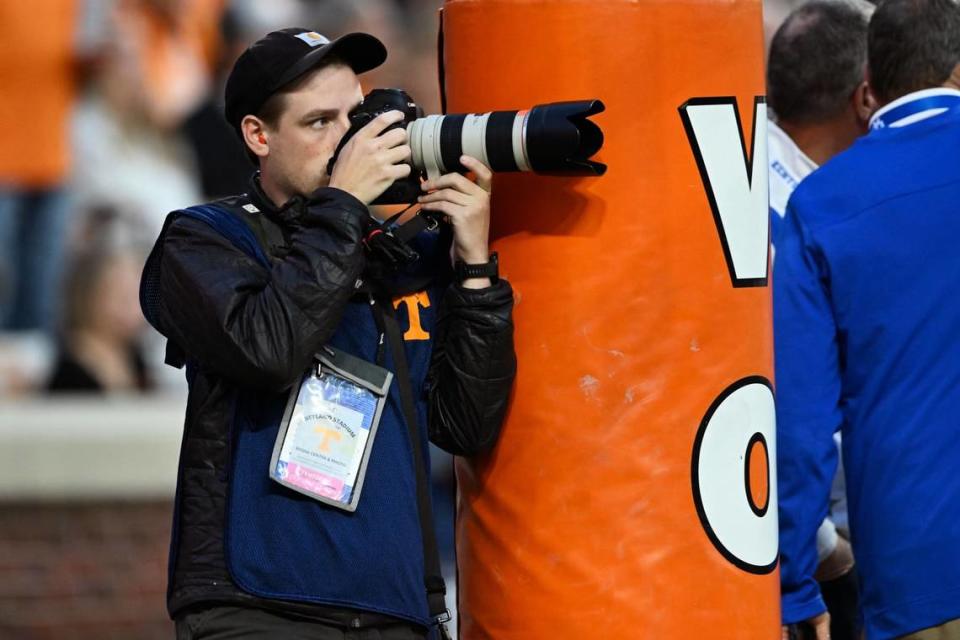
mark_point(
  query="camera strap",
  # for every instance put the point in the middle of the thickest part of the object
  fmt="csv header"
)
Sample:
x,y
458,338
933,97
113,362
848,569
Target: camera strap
x,y
415,225
433,576
390,240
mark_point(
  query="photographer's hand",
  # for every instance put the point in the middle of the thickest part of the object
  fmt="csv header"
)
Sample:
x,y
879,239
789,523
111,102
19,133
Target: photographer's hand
x,y
370,162
467,204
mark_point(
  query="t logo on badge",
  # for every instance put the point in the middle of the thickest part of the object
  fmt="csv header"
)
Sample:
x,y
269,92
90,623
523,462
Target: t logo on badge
x,y
328,435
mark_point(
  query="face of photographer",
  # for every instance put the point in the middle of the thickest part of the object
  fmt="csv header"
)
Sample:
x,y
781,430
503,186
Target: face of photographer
x,y
294,151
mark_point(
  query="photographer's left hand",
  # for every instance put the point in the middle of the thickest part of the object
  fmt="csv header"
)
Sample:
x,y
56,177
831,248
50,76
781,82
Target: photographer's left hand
x,y
467,205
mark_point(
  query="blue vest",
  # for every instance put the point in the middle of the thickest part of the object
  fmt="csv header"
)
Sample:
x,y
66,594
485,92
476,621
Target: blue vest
x,y
280,544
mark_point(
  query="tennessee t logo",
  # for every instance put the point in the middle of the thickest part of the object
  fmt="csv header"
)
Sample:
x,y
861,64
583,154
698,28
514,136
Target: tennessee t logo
x,y
328,435
413,303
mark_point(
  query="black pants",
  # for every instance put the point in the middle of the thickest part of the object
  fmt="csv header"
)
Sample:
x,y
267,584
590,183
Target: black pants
x,y
240,623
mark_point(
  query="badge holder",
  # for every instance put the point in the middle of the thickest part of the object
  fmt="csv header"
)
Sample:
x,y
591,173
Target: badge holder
x,y
328,429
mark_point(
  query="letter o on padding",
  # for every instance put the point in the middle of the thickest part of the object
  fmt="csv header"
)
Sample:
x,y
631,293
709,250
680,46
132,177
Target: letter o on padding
x,y
734,475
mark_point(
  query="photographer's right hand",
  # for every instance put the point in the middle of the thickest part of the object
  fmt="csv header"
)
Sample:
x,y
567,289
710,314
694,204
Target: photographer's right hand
x,y
370,162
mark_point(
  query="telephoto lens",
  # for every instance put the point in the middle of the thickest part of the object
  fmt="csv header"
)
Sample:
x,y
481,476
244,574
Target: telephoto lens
x,y
556,138
552,139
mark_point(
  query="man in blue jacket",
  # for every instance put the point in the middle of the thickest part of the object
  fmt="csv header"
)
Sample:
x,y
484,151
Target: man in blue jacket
x,y
865,316
819,105
250,290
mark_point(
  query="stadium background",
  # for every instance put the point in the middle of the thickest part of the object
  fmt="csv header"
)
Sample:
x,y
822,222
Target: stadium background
x,y
86,478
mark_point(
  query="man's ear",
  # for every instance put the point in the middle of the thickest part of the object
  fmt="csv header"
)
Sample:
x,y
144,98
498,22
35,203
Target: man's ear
x,y
864,104
953,82
255,135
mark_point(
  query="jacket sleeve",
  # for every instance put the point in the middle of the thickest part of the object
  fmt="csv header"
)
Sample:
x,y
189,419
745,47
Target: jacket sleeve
x,y
257,326
472,368
808,377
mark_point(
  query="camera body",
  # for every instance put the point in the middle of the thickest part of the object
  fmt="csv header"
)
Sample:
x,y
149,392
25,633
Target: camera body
x,y
375,103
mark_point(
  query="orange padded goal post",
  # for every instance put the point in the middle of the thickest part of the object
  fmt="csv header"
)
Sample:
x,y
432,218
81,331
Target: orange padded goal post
x,y
632,494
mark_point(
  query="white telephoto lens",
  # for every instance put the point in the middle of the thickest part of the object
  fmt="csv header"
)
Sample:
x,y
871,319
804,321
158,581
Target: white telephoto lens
x,y
424,136
475,137
430,141
413,139
518,140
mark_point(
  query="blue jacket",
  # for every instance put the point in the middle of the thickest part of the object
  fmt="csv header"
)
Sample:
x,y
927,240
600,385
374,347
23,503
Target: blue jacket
x,y
867,315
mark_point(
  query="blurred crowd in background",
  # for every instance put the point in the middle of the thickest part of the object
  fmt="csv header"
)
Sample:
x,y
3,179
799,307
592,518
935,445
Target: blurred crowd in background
x,y
112,112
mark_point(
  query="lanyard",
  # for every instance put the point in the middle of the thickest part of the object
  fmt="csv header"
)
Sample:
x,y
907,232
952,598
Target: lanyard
x,y
892,117
390,332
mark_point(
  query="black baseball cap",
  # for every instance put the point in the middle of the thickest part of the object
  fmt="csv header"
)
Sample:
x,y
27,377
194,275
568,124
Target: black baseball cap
x,y
282,56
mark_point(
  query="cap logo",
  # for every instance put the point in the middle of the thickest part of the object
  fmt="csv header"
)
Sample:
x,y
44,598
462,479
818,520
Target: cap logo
x,y
313,38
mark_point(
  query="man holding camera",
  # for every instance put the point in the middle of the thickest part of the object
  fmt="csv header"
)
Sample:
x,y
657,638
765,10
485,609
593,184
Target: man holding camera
x,y
250,289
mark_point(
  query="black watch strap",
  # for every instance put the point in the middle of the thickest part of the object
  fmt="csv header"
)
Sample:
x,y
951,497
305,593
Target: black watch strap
x,y
489,269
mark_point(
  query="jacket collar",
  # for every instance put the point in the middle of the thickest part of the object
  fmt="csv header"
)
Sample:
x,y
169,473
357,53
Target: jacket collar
x,y
259,197
915,107
284,214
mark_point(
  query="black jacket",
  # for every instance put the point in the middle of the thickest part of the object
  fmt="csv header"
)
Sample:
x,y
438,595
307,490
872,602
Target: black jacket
x,y
247,327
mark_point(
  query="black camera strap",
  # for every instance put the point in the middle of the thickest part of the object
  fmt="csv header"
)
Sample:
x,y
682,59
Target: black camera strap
x,y
433,576
415,225
390,241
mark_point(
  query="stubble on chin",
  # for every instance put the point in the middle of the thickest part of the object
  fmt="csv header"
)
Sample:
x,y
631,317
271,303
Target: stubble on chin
x,y
306,184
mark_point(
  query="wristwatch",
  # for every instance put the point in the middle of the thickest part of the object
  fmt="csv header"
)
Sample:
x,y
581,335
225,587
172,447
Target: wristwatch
x,y
490,269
